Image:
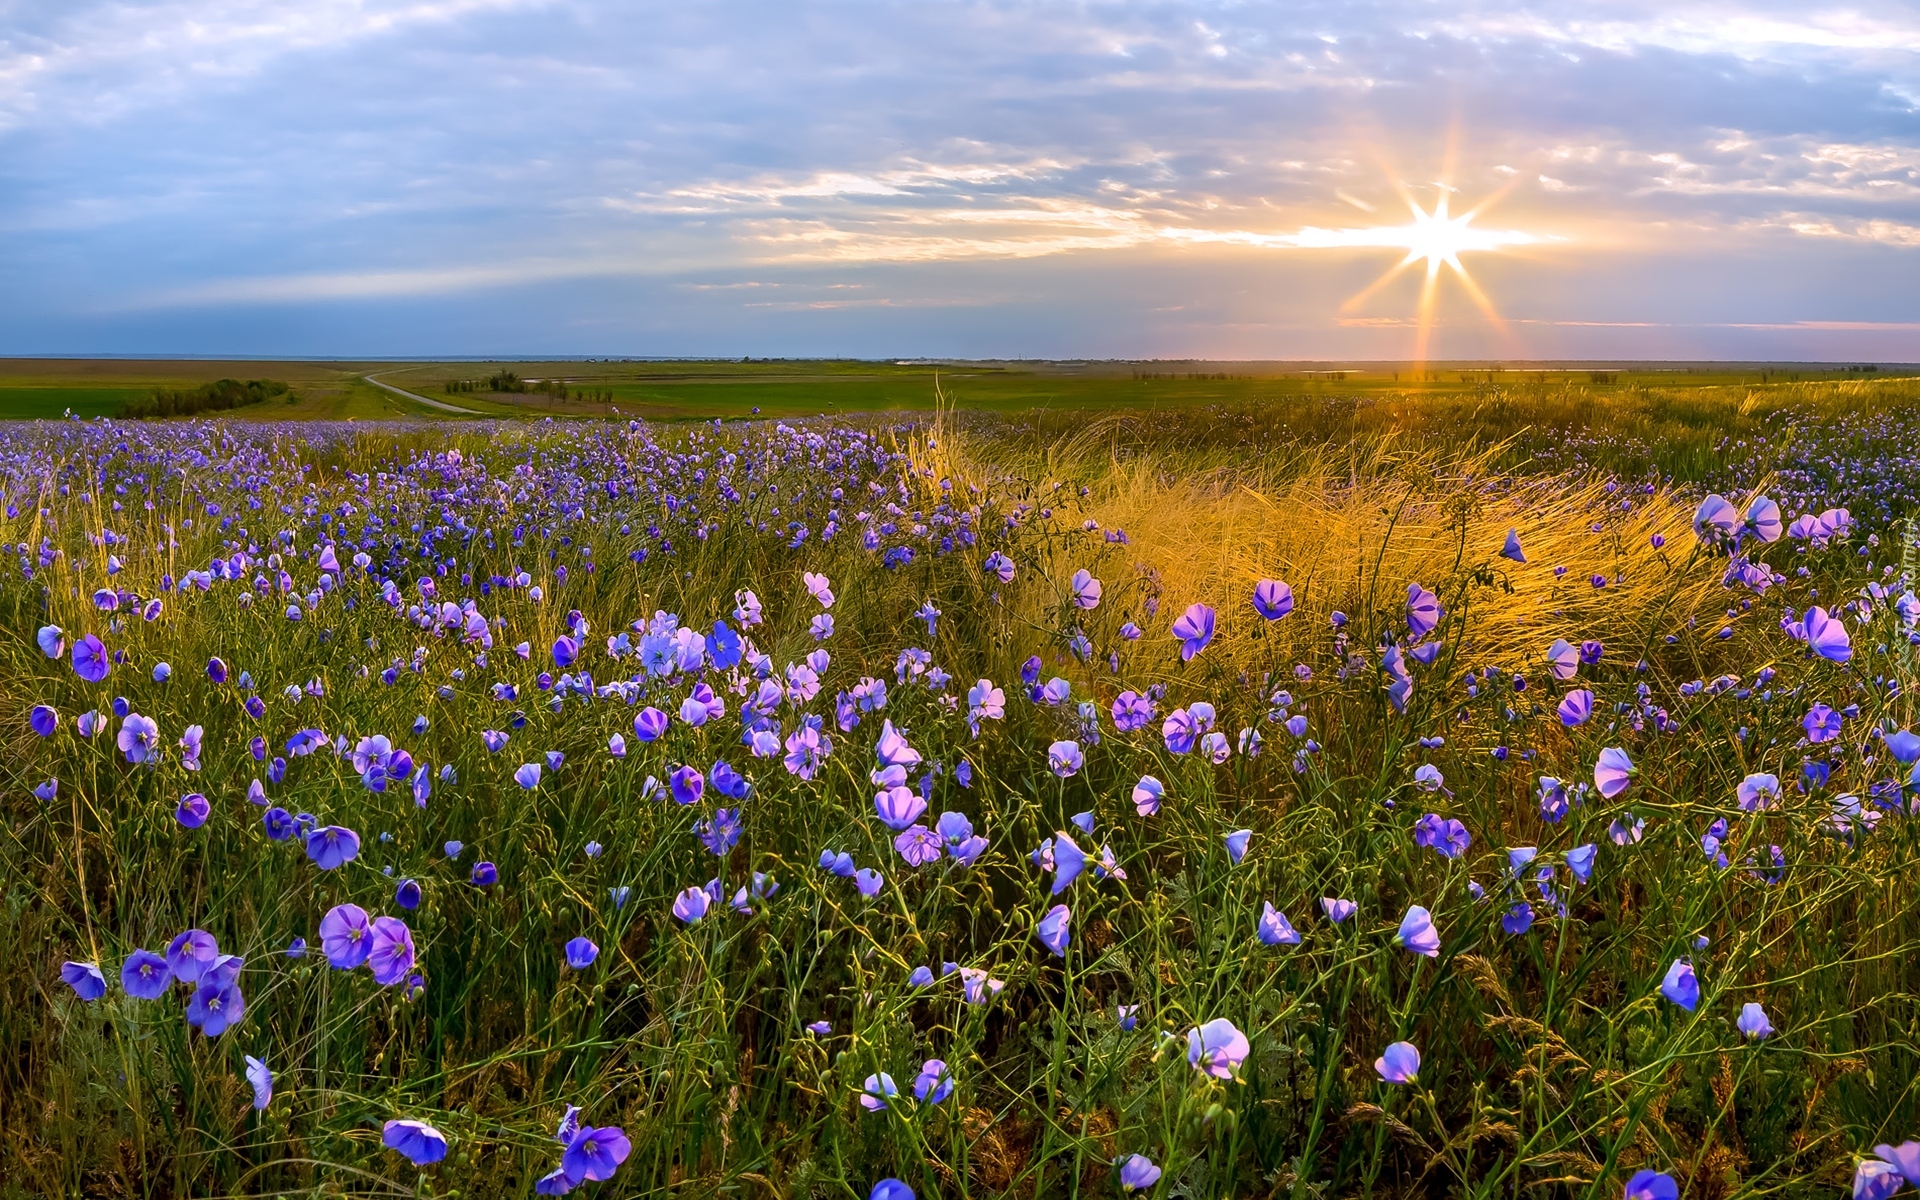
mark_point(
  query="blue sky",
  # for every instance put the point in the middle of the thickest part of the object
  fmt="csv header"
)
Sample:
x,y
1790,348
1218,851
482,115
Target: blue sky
x,y
929,177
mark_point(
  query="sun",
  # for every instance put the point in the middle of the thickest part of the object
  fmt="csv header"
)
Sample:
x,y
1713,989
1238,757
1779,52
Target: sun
x,y
1437,238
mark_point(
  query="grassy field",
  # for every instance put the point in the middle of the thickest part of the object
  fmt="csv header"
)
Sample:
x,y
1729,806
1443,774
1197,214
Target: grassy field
x,y
958,800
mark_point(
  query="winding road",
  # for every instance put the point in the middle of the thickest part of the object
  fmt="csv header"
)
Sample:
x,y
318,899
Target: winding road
x,y
442,405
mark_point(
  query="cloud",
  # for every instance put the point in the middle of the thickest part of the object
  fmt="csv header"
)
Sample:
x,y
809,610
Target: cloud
x,y
199,158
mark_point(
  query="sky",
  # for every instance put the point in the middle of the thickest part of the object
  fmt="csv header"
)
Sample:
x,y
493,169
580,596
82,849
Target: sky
x,y
961,178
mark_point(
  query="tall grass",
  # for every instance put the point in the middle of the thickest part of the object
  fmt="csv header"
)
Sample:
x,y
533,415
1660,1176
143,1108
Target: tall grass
x,y
1552,1065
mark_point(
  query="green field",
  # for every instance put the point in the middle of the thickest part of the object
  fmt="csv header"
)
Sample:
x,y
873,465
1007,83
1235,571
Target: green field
x,y
44,388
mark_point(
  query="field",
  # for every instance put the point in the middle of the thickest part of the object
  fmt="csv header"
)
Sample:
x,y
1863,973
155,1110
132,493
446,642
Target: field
x,y
1087,784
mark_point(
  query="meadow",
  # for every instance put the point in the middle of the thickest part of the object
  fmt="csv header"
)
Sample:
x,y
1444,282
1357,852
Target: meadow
x,y
1494,788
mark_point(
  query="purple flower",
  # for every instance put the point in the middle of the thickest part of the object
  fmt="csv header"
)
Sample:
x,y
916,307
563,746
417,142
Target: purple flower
x,y
261,1080
331,846
580,953
1652,1185
898,807
1714,520
1821,723
934,1083
565,650
1511,549
893,1189
690,905
650,724
595,1154
876,1091
1086,590
390,952
1612,772
1147,795
1563,661
1064,759
1237,844
216,669
484,874
1052,930
1417,932
1273,928
1217,1048
1758,791
1272,599
52,640
1131,711
1905,1157
193,810
1576,708
145,975
85,979
1753,1021
687,784
1423,611
869,881
1680,985
139,738
90,661
1580,861
217,1004
346,936
1194,628
1399,1063
918,845
1827,636
1518,919
43,720
528,776
1337,910
419,1142
1138,1172
190,954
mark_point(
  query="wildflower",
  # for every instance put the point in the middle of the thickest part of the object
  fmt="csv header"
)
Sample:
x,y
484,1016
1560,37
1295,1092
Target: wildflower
x,y
1399,1063
1217,1048
1827,636
1423,611
1652,1185
1517,919
332,846
145,975
1757,792
1874,1179
1147,795
1138,1172
1194,628
419,1142
650,724
1000,565
1086,590
1272,599
1064,759
1417,932
1821,723
876,1091
1052,930
390,953
43,720
1680,985
139,738
690,905
261,1081
819,587
1273,928
90,661
1576,708
1511,548
1428,778
890,1189
918,845
687,784
1612,772
1337,910
484,875
52,641
85,979
528,776
1237,844
217,1004
934,1083
1753,1021
192,811
346,936
1563,661
1580,861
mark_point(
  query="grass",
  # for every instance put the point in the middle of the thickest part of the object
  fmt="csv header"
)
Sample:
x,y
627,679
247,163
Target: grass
x,y
1552,1064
